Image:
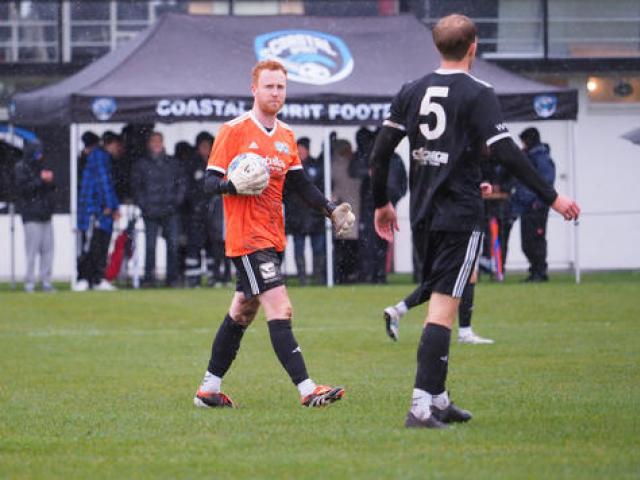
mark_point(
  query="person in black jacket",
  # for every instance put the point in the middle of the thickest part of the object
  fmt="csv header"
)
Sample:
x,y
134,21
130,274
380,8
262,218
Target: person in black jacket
x,y
158,188
204,221
35,198
373,249
302,221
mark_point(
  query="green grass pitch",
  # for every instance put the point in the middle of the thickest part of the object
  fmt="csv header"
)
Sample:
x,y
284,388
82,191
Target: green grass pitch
x,y
100,385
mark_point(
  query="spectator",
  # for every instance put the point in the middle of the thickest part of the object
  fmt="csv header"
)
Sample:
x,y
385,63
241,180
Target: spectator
x,y
373,248
218,264
496,207
345,189
121,170
302,221
35,198
89,139
184,153
134,138
158,187
534,212
197,212
97,210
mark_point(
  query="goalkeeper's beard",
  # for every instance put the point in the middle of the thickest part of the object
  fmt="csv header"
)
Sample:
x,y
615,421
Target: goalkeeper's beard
x,y
270,107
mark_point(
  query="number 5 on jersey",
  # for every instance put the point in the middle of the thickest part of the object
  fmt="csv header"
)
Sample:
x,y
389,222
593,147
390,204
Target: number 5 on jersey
x,y
427,106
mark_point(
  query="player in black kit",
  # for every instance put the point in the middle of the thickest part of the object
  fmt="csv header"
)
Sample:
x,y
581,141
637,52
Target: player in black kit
x,y
448,116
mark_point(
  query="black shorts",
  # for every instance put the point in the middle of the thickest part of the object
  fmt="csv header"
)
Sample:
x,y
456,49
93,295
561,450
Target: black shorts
x,y
258,272
448,259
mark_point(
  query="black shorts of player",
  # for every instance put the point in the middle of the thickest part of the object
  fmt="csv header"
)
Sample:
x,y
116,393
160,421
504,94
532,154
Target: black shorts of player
x,y
448,259
258,272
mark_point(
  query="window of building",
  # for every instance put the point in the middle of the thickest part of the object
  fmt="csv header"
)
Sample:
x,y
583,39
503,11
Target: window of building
x,y
29,31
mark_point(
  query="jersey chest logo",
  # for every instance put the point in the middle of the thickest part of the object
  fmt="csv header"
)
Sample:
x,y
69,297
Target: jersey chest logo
x,y
282,147
431,158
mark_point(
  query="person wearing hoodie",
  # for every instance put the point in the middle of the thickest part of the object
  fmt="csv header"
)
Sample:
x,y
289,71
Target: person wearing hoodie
x,y
158,187
533,212
35,200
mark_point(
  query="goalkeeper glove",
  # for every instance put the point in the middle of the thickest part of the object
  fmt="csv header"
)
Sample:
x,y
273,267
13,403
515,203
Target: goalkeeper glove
x,y
342,219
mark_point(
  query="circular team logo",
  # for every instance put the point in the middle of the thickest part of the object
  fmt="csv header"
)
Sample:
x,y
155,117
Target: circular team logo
x,y
545,105
310,57
103,108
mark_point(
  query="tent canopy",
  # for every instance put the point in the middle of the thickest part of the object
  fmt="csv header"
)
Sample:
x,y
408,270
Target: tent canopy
x,y
341,71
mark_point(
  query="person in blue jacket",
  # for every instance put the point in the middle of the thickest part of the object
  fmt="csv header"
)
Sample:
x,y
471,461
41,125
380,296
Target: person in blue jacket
x,y
97,210
533,212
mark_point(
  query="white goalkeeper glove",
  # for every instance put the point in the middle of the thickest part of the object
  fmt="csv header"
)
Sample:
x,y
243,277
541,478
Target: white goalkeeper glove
x,y
249,178
342,219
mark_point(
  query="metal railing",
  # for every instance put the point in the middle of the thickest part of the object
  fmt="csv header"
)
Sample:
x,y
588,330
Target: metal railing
x,y
540,35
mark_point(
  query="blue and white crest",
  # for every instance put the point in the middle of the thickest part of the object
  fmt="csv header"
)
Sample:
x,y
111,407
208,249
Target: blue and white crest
x,y
545,105
103,108
282,148
310,57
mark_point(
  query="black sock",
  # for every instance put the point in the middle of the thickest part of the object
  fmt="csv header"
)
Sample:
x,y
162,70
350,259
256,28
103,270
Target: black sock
x,y
465,310
287,350
433,359
420,295
225,346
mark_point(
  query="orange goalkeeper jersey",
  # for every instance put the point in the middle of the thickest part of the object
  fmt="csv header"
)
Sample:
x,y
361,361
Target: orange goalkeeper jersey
x,y
255,222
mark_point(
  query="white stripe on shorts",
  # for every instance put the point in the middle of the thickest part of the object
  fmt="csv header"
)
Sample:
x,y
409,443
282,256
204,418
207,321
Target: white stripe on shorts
x,y
467,265
250,275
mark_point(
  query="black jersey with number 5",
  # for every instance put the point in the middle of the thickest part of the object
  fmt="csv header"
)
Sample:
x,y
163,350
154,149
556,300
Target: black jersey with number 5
x,y
449,117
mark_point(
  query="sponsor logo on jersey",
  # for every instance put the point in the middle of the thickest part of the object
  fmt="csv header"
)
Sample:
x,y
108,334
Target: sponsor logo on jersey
x,y
268,270
275,164
545,105
254,146
502,127
103,108
282,147
312,57
431,158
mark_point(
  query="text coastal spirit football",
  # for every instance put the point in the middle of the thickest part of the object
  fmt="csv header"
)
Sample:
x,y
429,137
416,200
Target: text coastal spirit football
x,y
208,107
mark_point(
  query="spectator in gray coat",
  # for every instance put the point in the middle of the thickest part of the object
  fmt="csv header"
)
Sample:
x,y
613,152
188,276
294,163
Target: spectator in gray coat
x,y
158,188
35,188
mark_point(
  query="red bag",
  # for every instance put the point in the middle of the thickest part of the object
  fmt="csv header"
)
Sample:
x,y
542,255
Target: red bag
x,y
116,257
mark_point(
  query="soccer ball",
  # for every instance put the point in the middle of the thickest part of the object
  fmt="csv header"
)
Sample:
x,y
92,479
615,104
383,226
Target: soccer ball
x,y
249,163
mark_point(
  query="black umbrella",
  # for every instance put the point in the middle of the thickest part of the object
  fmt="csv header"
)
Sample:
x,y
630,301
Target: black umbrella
x,y
633,136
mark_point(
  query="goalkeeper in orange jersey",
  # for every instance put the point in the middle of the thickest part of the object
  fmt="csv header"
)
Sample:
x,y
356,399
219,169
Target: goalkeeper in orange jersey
x,y
266,156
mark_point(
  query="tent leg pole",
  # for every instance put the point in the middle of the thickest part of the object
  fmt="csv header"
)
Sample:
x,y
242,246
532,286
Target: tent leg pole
x,y
12,225
73,175
327,194
12,242
574,194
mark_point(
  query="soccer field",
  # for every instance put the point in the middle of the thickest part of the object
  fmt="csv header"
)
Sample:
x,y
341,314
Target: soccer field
x,y
100,385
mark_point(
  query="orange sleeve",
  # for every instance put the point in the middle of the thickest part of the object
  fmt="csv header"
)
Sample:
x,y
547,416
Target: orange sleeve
x,y
296,164
222,152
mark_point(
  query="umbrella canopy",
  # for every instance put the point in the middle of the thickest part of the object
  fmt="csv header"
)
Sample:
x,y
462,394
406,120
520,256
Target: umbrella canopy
x,y
341,71
16,137
633,136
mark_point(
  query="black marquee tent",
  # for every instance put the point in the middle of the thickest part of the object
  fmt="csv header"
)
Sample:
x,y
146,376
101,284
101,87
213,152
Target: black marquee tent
x,y
342,71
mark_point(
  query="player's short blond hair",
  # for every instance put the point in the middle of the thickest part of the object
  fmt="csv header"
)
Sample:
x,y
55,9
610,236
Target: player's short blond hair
x,y
265,65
